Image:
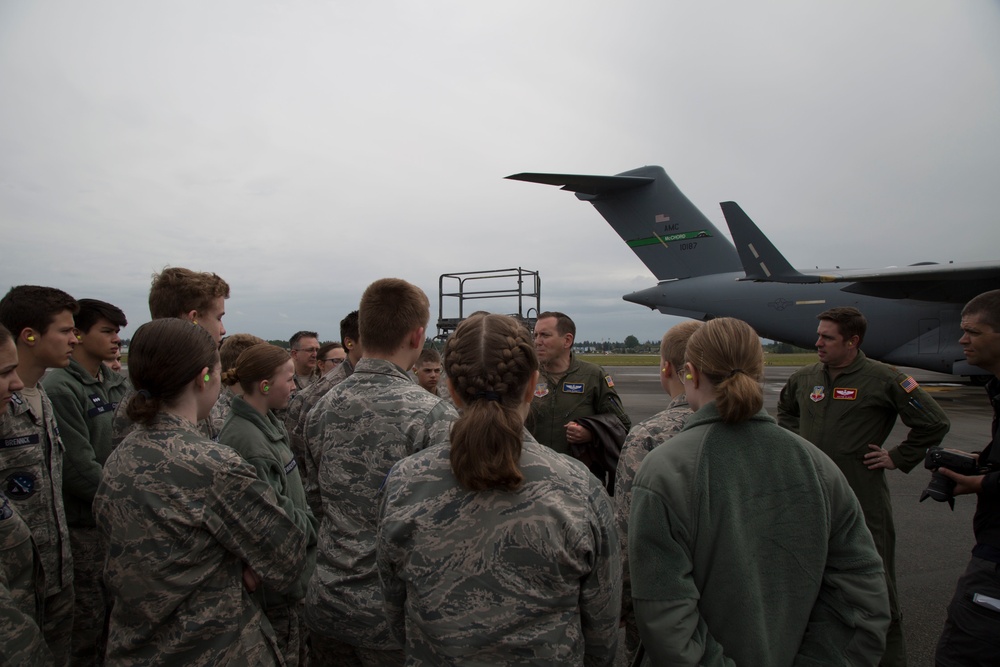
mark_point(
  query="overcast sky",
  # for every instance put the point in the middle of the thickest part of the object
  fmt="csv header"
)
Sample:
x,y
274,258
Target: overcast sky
x,y
303,149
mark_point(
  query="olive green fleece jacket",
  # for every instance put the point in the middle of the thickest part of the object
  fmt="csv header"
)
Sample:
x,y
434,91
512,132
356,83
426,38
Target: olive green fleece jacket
x,y
263,443
748,547
84,407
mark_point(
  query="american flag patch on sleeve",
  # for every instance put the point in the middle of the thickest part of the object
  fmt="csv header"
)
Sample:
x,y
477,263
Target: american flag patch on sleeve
x,y
909,384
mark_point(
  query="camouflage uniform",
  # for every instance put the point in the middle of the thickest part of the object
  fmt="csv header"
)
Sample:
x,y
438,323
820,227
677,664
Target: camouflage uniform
x,y
641,440
296,418
31,458
365,425
21,641
84,406
262,442
121,425
181,517
526,577
221,409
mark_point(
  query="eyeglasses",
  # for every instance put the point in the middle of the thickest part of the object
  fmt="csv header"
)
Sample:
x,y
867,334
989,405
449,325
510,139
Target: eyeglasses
x,y
310,350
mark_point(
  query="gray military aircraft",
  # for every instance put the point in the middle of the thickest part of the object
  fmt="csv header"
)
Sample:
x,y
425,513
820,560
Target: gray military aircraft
x,y
913,312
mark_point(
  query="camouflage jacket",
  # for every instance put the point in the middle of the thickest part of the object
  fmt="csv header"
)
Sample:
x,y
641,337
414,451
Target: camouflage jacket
x,y
296,418
121,425
526,577
364,425
262,443
641,440
21,641
220,411
31,459
180,517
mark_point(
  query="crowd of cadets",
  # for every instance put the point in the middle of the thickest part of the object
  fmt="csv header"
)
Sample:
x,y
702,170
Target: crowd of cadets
x,y
363,503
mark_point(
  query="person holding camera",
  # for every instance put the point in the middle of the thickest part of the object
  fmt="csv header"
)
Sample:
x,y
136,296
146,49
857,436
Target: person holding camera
x,y
972,630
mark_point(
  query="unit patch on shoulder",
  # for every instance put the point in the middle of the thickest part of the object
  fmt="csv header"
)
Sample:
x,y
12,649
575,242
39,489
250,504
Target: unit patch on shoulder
x,y
611,383
840,394
909,384
572,387
818,393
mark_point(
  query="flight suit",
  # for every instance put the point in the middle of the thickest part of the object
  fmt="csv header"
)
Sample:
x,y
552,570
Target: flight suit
x,y
842,417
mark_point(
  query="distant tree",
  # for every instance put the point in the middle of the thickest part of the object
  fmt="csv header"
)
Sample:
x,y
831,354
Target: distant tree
x,y
631,343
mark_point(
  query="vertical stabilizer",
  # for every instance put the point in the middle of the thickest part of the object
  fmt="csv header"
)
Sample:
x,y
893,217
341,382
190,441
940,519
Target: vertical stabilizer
x,y
662,227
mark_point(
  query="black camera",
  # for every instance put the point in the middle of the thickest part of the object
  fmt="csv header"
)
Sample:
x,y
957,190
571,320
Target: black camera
x,y
942,487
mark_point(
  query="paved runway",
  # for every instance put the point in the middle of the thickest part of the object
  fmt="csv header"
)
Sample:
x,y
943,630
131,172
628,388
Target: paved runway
x,y
932,542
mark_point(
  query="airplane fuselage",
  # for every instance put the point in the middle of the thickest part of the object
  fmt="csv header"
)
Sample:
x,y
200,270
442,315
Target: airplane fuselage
x,y
923,334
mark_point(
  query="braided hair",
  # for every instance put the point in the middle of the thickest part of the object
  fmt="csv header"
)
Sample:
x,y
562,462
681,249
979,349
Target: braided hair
x,y
489,361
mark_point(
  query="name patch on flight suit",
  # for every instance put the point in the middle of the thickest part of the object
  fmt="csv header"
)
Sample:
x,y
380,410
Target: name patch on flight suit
x,y
291,466
572,387
845,394
818,393
541,389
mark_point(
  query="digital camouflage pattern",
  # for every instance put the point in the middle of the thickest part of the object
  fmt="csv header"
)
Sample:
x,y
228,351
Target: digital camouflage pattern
x,y
180,516
364,425
296,421
526,577
121,425
31,458
220,411
21,641
641,440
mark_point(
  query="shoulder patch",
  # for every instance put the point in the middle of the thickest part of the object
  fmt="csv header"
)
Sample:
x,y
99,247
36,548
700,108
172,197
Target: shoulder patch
x,y
611,383
909,384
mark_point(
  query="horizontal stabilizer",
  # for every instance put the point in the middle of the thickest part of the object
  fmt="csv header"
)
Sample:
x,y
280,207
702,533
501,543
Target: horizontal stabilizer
x,y
586,184
761,260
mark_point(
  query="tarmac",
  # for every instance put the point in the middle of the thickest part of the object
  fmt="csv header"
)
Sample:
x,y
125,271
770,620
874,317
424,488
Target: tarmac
x,y
933,543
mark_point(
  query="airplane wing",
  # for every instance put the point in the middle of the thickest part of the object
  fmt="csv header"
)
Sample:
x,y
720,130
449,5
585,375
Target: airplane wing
x,y
762,262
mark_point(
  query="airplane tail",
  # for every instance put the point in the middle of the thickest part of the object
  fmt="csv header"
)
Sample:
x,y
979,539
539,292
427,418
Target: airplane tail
x,y
762,261
664,229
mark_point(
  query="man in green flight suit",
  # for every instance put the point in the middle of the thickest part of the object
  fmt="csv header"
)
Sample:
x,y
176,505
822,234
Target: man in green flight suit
x,y
576,409
846,405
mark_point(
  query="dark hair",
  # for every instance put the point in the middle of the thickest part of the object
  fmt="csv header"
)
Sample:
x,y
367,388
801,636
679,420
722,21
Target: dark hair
x,y
728,352
233,346
33,307
177,291
850,322
5,335
299,335
489,359
92,310
165,355
428,355
390,309
256,363
987,307
349,327
564,325
326,347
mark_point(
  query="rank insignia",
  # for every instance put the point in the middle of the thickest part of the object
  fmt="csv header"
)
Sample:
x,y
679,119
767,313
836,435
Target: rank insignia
x,y
817,394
